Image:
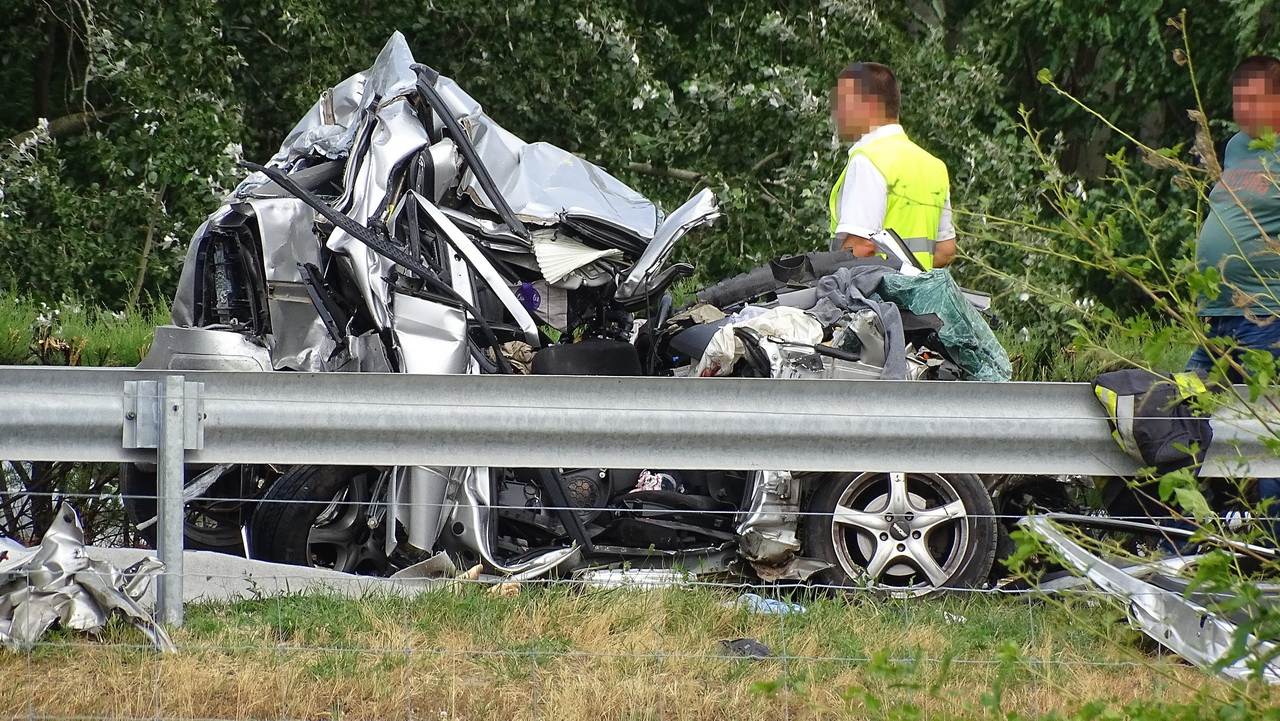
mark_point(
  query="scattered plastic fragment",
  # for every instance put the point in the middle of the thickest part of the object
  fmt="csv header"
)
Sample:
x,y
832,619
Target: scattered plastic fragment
x,y
756,603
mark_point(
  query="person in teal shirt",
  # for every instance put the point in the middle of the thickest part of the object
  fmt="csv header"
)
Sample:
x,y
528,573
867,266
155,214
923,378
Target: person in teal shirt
x,y
1240,236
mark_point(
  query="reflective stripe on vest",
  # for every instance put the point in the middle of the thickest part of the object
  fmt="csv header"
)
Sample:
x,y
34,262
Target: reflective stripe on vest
x,y
917,191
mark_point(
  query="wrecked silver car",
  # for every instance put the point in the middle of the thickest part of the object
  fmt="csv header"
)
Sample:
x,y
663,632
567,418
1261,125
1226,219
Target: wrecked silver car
x,y
400,229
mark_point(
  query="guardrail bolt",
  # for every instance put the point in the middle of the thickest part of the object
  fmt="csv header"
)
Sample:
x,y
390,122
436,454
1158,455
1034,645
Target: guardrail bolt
x,y
130,416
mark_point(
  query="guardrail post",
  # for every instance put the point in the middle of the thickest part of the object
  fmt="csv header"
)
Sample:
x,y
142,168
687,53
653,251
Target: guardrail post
x,y
170,457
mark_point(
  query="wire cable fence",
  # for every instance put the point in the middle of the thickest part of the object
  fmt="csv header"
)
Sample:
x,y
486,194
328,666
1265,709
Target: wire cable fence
x,y
469,654
680,629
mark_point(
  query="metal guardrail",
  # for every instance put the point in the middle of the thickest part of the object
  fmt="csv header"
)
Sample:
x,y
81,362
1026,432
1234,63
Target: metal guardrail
x,y
83,414
117,415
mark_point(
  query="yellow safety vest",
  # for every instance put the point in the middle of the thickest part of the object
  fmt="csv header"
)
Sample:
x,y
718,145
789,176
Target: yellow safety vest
x,y
918,186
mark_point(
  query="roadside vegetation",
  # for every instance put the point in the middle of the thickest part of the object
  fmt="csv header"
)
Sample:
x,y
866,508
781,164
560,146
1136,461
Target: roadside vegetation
x,y
571,653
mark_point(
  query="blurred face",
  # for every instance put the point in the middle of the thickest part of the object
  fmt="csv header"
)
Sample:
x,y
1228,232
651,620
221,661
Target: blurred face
x,y
1256,106
854,113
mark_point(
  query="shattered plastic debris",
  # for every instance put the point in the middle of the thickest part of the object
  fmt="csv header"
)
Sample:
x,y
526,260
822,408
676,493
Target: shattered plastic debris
x,y
1183,625
756,603
56,582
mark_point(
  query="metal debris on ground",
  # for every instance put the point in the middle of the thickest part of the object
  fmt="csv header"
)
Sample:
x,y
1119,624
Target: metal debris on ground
x,y
1162,607
57,583
643,578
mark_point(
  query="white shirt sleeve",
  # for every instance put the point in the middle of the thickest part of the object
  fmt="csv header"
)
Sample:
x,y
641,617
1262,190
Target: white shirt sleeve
x,y
946,230
863,199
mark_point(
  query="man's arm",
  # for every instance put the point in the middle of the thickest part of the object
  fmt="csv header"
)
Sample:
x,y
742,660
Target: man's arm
x,y
945,250
861,207
861,247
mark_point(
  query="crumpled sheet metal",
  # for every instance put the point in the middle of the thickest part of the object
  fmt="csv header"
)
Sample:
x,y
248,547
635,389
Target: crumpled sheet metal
x,y
702,209
56,582
767,535
1183,626
542,183
330,125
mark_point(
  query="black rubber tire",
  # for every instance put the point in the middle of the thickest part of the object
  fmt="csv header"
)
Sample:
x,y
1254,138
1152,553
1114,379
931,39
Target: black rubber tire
x,y
317,516
948,517
211,523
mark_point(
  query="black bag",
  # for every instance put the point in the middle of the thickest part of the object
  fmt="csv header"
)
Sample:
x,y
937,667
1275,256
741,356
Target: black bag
x,y
1151,416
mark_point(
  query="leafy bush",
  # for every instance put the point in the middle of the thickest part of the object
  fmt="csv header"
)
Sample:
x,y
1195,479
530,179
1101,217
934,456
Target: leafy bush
x,y
147,110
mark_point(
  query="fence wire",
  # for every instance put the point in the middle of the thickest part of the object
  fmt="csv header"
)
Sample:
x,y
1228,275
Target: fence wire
x,y
569,648
352,649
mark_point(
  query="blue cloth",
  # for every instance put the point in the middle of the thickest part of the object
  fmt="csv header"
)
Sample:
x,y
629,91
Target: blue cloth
x,y
1249,335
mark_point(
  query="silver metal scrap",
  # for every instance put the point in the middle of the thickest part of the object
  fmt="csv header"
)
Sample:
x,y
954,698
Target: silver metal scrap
x,y
1187,628
56,582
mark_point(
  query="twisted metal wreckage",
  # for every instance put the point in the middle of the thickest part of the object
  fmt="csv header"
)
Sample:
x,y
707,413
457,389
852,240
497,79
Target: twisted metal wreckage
x,y
400,229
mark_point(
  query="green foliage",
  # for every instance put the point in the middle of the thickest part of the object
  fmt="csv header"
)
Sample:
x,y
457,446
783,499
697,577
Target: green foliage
x,y
136,145
734,95
71,333
1115,264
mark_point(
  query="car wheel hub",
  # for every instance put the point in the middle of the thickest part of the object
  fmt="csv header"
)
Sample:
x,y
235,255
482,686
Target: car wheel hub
x,y
900,530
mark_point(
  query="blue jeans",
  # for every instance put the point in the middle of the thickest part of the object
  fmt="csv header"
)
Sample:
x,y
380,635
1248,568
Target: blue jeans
x,y
1250,335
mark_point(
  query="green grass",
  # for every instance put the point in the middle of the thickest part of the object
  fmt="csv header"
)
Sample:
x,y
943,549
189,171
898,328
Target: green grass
x,y
1048,357
570,653
72,334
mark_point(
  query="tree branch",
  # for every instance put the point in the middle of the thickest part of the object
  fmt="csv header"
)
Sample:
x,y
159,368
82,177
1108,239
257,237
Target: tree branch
x,y
675,173
156,208
72,124
767,159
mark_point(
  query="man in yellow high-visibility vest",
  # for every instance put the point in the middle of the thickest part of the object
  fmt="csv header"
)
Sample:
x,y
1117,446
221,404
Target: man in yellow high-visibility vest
x,y
889,182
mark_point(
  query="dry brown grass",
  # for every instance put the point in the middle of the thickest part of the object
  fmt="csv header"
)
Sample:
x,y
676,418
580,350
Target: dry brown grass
x,y
557,653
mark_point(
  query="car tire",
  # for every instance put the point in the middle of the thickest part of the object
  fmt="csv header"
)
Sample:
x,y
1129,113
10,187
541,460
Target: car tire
x,y
210,523
319,516
903,534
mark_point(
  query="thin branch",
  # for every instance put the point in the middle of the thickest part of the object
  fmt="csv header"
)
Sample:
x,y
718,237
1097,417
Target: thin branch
x,y
156,208
767,159
691,176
